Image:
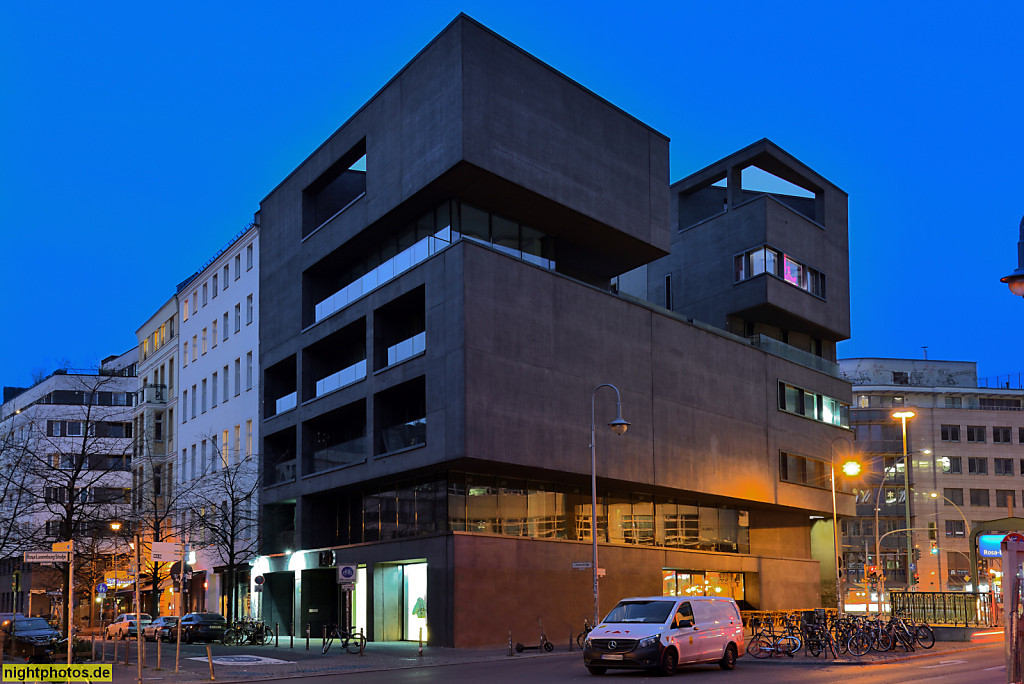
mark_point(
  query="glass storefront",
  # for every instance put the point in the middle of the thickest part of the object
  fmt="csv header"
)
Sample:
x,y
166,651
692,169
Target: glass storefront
x,y
702,583
414,578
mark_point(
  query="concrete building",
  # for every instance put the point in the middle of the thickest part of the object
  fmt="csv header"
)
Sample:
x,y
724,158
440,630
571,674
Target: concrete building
x,y
966,454
219,398
441,298
69,433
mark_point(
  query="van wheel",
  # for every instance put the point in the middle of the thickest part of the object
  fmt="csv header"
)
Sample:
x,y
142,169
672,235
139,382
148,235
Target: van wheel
x,y
597,670
728,661
669,662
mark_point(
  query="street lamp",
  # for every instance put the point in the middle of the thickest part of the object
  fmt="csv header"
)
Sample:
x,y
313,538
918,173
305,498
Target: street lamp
x,y
903,415
1016,279
618,426
967,527
850,468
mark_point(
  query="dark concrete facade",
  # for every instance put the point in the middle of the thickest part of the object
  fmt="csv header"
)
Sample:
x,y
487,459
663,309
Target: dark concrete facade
x,y
511,352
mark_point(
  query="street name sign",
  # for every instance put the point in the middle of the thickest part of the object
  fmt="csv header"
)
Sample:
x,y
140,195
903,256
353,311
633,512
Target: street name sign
x,y
62,547
46,557
582,566
165,552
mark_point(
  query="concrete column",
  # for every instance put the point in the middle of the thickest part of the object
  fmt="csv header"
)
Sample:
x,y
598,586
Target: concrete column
x,y
734,191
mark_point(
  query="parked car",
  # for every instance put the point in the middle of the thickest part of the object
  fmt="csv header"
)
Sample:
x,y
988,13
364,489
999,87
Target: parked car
x,y
27,635
165,627
203,627
124,626
661,632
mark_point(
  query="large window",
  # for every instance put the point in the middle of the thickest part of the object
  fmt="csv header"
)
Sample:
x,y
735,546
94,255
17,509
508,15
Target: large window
x,y
953,496
950,433
976,433
979,497
955,528
702,583
818,407
764,259
977,466
951,464
1004,466
1001,435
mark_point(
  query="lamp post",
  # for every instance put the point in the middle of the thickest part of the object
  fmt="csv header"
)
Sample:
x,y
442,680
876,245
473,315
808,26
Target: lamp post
x,y
850,468
903,415
1016,279
967,527
618,426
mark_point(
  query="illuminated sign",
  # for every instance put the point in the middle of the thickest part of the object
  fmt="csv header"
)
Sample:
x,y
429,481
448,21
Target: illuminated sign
x,y
989,545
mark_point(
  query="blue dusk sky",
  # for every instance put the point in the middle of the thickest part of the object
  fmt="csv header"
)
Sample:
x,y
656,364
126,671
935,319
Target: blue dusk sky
x,y
137,138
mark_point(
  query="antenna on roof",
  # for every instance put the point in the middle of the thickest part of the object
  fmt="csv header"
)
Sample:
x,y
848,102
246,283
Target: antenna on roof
x,y
925,348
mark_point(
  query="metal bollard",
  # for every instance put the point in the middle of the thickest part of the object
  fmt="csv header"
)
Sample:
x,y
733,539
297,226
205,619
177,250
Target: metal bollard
x,y
570,638
209,657
114,660
92,647
421,643
158,652
128,650
307,636
510,642
362,642
291,636
277,634
325,635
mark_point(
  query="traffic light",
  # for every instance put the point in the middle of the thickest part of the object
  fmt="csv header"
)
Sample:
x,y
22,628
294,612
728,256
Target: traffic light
x,y
935,548
917,578
917,555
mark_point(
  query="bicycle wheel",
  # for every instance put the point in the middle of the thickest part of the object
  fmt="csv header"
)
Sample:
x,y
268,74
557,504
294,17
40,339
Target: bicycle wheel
x,y
788,644
230,638
859,644
882,641
356,644
268,636
327,642
759,647
924,636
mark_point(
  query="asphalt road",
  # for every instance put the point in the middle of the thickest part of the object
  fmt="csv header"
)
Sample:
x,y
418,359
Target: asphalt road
x,y
983,666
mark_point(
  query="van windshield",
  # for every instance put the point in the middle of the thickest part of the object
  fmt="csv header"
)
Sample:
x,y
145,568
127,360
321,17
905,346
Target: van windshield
x,y
651,612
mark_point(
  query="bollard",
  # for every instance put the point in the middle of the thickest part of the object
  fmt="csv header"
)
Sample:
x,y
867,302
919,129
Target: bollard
x,y
103,646
209,657
92,647
362,642
291,635
277,634
2,646
158,652
570,638
114,660
140,646
325,635
128,650
307,636
421,643
510,642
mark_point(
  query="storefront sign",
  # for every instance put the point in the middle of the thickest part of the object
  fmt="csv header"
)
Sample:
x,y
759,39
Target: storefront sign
x,y
990,545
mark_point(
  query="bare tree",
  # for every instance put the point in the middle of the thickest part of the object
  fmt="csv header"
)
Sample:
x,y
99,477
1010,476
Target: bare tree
x,y
224,508
16,499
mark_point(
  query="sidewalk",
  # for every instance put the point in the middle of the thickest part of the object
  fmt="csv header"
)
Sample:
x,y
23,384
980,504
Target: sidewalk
x,y
875,658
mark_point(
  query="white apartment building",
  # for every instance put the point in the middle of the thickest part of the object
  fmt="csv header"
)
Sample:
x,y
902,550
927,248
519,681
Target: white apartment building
x,y
218,399
965,447
70,437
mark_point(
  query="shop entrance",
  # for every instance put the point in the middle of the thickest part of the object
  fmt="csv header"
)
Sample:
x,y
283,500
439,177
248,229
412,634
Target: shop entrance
x,y
278,600
401,592
703,583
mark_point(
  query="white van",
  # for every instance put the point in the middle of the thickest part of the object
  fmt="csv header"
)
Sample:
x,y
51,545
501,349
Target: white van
x,y
661,632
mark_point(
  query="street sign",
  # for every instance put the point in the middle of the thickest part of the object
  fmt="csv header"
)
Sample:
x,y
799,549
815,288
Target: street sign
x,y
913,567
348,586
101,595
101,588
1014,537
62,547
582,566
164,552
258,588
347,573
260,579
46,557
176,572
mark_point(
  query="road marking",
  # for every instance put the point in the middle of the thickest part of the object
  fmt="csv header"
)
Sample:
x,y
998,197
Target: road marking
x,y
1000,667
943,663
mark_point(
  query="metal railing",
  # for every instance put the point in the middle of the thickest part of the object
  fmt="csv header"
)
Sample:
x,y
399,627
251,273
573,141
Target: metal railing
x,y
955,608
798,356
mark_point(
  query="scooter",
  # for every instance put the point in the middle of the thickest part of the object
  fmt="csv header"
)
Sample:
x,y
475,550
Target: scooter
x,y
544,644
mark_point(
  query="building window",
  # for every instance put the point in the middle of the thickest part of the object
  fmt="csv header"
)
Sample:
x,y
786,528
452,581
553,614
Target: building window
x,y
802,470
764,259
184,312
204,340
951,464
238,266
224,327
818,407
238,440
204,294
1004,466
214,285
213,332
954,402
185,357
248,311
955,528
977,466
195,347
668,291
194,401
950,433
1001,435
225,276
238,317
976,434
184,402
213,390
204,396
158,426
225,376
979,497
248,256
195,301
224,449
248,439
1005,498
954,495
238,376
248,371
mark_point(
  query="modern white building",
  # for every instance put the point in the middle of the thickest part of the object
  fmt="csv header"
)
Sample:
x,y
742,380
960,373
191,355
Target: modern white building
x,y
218,399
70,437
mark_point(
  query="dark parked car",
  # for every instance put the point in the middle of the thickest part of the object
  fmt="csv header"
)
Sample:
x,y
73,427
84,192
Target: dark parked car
x,y
203,627
165,627
28,635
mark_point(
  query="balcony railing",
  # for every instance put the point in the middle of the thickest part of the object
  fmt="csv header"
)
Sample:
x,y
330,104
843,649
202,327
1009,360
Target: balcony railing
x,y
346,453
799,356
407,348
288,401
152,394
405,435
281,472
342,378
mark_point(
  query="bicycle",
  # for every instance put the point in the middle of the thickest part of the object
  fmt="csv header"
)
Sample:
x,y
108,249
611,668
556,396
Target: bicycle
x,y
45,656
348,640
765,643
581,638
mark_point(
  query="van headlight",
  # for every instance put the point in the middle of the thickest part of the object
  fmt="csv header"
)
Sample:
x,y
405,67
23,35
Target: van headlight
x,y
587,644
649,641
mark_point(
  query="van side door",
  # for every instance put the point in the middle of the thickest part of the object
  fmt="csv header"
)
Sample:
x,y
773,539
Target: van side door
x,y
681,633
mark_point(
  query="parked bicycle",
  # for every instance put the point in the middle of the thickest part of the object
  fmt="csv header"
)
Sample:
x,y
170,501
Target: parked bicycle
x,y
581,638
766,643
349,640
248,631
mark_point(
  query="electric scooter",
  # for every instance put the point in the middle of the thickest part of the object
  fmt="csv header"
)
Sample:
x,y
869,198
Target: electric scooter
x,y
544,644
